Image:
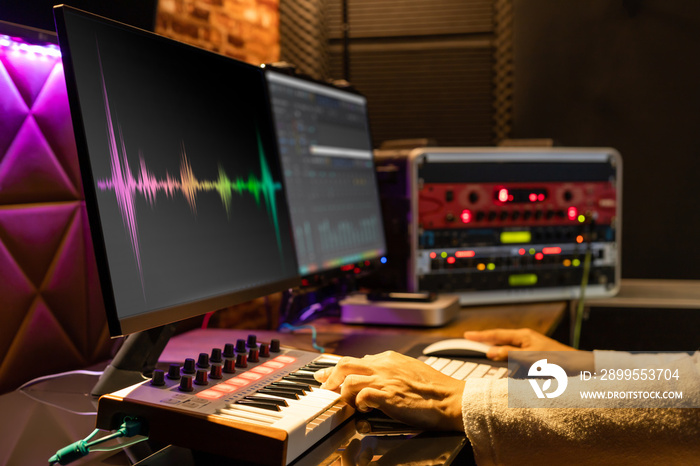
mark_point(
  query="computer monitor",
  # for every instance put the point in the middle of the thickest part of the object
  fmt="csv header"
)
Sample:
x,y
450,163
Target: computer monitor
x,y
182,179
326,152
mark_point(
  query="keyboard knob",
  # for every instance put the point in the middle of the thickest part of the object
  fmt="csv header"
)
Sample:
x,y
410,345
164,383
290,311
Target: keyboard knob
x,y
215,355
186,384
253,355
203,361
240,346
229,350
215,372
201,377
189,367
230,366
241,360
174,372
274,346
158,378
264,350
252,341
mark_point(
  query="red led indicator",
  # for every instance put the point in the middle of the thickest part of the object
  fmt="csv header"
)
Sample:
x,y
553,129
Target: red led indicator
x,y
532,197
239,382
521,251
263,370
223,388
462,254
274,364
539,256
503,195
304,282
366,263
210,394
466,216
285,359
451,260
572,213
540,197
552,250
433,255
357,270
346,268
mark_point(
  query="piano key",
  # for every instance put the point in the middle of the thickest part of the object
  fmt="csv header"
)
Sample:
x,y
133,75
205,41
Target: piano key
x,y
292,378
296,391
267,399
269,406
302,386
279,393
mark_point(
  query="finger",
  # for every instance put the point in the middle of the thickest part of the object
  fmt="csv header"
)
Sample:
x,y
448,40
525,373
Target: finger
x,y
370,398
500,353
498,336
345,366
352,386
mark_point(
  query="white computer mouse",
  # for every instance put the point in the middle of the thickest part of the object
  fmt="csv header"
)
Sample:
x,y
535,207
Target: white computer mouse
x,y
457,347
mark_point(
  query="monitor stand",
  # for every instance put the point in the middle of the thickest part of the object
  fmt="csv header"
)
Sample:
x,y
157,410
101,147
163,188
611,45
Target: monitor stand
x,y
357,309
136,359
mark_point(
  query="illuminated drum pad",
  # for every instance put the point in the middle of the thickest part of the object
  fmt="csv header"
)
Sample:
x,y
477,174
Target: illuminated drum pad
x,y
269,412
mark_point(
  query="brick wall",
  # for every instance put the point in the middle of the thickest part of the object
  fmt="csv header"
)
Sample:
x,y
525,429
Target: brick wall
x,y
244,29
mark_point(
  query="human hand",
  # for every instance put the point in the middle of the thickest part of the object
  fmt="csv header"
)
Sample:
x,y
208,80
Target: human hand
x,y
522,339
404,388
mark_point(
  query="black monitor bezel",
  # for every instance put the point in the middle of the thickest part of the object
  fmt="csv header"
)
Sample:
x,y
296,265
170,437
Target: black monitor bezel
x,y
329,275
159,317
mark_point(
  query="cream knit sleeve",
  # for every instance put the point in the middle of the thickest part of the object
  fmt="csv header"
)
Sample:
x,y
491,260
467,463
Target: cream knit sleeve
x,y
601,435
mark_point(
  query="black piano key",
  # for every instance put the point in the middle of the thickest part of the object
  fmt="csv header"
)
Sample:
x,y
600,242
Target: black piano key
x,y
301,375
323,364
268,406
311,382
295,390
279,393
263,399
302,386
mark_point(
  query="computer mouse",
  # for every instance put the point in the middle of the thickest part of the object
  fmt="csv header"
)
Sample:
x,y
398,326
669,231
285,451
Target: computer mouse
x,y
457,347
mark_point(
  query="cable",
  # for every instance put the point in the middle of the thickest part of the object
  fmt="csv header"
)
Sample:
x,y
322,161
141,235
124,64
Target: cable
x,y
57,375
313,334
582,297
77,450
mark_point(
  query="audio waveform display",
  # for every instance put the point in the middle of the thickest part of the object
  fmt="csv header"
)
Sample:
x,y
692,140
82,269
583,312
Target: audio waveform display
x,y
127,186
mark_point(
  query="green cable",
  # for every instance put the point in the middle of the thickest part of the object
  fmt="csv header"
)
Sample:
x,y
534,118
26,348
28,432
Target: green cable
x,y
81,448
313,334
582,297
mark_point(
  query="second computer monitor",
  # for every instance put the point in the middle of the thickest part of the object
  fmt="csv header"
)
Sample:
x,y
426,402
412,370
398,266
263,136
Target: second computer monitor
x,y
327,160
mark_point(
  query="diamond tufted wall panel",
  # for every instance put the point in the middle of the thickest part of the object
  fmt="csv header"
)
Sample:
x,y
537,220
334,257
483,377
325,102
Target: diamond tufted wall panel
x,y
51,312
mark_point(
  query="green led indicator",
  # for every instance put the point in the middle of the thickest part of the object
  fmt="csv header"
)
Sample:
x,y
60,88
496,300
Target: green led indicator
x,y
581,218
576,262
510,237
443,255
491,266
523,279
532,251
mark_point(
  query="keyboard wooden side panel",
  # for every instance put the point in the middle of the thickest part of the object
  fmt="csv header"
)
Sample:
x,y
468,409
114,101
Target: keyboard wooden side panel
x,y
212,433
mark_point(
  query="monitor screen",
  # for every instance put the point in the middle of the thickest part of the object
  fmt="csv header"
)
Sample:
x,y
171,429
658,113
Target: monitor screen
x,y
181,174
326,152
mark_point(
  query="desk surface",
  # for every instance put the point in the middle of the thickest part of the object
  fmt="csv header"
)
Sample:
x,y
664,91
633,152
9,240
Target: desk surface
x,y
38,429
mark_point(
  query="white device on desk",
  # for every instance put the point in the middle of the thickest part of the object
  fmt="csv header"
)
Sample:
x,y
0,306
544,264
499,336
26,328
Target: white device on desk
x,y
358,309
457,347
